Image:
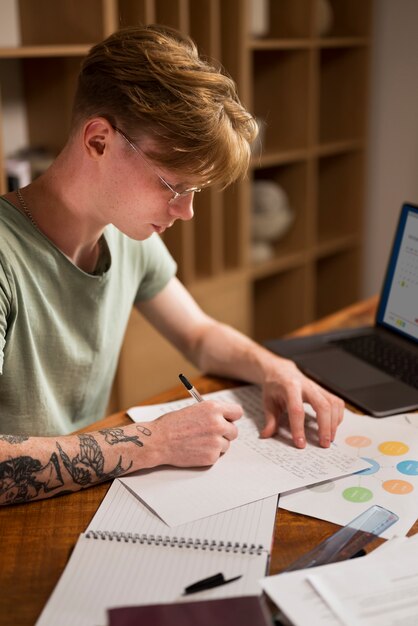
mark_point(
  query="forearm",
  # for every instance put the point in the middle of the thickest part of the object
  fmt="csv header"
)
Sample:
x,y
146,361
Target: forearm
x,y
224,351
33,468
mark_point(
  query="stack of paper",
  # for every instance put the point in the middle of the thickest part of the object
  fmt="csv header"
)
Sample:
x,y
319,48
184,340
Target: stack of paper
x,y
380,589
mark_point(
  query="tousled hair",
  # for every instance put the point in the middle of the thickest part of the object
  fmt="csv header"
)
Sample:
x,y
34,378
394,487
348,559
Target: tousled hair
x,y
150,81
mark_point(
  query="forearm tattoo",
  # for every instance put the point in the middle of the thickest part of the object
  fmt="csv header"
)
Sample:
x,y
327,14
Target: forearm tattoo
x,y
13,438
25,478
90,459
116,435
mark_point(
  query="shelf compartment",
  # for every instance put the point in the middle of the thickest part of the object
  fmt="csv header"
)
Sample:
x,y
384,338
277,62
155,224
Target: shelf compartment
x,y
173,13
49,87
340,195
350,18
282,97
236,226
343,75
280,303
289,19
136,12
208,234
293,179
337,281
205,27
48,22
179,239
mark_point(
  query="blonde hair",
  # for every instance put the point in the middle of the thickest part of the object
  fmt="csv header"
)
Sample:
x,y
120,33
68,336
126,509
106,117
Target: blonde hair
x,y
150,81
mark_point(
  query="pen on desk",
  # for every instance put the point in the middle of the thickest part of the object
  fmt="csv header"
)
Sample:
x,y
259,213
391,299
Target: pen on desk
x,y
193,392
209,583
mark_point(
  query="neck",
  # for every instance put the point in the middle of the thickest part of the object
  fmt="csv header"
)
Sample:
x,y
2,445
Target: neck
x,y
45,204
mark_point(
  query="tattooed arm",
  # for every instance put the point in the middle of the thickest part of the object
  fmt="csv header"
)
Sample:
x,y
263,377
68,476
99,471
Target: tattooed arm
x,y
32,468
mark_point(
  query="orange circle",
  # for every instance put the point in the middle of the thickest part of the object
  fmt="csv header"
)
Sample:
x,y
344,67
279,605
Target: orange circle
x,y
398,487
393,448
358,441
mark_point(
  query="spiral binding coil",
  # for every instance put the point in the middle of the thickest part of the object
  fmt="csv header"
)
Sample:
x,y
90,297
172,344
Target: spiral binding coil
x,y
176,542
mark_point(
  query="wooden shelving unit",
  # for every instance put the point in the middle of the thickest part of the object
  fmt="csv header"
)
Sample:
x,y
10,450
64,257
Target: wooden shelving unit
x,y
310,90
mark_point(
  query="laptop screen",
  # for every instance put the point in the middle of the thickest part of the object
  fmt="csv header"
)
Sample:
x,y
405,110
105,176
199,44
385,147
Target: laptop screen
x,y
398,307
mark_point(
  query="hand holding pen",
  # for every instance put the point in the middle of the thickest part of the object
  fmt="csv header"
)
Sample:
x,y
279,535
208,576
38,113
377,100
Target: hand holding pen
x,y
196,435
193,436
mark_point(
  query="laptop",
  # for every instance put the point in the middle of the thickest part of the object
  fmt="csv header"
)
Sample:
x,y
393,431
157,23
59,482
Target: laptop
x,y
374,368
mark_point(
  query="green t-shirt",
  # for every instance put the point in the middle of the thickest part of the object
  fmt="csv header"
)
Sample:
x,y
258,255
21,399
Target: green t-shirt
x,y
61,329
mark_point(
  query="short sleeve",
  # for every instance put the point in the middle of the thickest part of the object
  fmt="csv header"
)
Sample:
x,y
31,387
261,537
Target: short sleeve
x,y
160,268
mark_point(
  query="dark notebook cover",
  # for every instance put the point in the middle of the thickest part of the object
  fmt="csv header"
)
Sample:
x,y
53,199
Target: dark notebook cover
x,y
245,611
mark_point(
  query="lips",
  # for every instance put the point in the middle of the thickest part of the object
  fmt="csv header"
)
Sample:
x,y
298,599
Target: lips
x,y
160,229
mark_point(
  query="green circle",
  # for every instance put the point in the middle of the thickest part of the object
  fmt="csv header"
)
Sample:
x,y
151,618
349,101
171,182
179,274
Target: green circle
x,y
357,494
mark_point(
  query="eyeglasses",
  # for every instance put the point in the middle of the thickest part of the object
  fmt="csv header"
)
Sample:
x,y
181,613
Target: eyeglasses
x,y
176,194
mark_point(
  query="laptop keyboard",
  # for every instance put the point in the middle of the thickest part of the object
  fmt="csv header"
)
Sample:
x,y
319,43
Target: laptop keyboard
x,y
392,359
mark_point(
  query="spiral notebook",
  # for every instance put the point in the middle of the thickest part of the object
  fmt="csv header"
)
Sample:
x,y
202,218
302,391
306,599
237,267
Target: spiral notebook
x,y
128,556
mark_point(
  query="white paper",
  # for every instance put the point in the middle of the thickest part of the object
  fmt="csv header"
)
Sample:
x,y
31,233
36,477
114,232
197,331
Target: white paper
x,y
251,524
379,591
252,469
300,601
390,445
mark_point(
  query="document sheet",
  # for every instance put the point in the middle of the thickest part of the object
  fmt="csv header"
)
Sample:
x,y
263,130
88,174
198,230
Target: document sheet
x,y
379,589
390,446
253,468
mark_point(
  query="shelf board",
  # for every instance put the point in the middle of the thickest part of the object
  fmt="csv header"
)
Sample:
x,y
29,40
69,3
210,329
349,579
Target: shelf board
x,y
26,52
279,264
306,44
342,42
271,159
280,44
339,147
279,158
337,244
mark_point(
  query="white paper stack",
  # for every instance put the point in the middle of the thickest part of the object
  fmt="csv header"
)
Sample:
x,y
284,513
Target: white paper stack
x,y
380,589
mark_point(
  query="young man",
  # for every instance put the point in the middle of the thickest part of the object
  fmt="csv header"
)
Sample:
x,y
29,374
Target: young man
x,y
152,125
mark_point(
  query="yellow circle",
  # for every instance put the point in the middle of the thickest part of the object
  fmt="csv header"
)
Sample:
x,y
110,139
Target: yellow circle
x,y
398,487
393,448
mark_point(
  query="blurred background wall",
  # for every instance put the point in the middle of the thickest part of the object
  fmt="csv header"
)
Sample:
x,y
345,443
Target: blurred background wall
x,y
392,175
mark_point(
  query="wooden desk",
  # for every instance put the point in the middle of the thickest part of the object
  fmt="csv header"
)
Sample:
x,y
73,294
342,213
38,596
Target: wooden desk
x,y
37,538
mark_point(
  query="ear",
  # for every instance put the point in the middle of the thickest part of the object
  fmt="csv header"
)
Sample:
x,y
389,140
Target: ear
x,y
96,134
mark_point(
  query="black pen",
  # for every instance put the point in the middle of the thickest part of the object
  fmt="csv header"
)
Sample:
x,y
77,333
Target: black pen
x,y
209,583
193,392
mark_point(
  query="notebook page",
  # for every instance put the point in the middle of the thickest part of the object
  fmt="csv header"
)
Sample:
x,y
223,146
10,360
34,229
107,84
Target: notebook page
x,y
122,511
103,574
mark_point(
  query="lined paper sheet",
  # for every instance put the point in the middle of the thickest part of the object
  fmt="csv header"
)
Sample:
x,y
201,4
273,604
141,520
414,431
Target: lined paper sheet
x,y
121,511
104,574
252,469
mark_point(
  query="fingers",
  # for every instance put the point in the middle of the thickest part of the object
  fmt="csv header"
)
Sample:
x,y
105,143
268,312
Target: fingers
x,y
290,396
296,414
272,411
329,411
230,410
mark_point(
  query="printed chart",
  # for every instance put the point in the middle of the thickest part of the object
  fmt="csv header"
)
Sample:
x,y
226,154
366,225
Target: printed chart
x,y
391,448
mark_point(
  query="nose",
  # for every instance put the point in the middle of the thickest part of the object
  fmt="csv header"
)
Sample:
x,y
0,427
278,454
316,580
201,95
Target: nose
x,y
182,208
